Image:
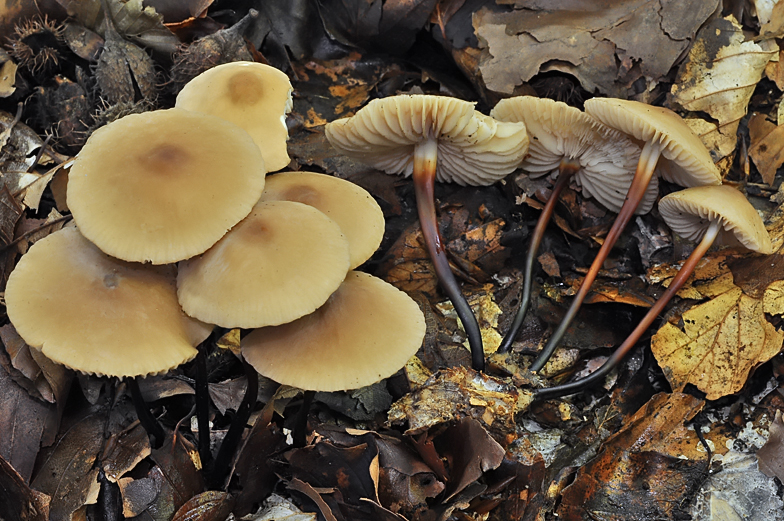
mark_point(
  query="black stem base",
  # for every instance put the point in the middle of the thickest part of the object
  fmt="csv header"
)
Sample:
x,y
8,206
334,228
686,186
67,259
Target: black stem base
x,y
148,421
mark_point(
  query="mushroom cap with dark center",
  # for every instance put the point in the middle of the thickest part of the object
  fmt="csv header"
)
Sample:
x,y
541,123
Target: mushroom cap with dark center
x,y
687,161
366,331
165,185
352,207
473,149
97,314
607,157
689,212
281,262
251,95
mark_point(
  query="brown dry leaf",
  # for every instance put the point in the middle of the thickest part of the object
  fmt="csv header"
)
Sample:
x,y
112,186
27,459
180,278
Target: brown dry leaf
x,y
605,48
709,267
17,499
640,472
470,451
213,505
771,455
408,266
719,344
125,450
773,301
7,79
718,78
460,392
767,146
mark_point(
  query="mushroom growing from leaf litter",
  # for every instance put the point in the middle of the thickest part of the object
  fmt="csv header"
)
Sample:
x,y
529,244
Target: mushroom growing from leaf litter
x,y
434,138
99,315
568,143
670,148
253,96
706,214
356,212
165,185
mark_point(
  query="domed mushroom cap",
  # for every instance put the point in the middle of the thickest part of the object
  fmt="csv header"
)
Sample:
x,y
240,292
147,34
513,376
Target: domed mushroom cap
x,y
350,206
281,262
607,158
164,186
689,212
251,95
366,331
97,314
473,149
689,163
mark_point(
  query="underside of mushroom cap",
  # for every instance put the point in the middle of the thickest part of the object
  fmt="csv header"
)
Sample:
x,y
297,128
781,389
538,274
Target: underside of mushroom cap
x,y
690,164
97,314
350,206
607,158
365,332
473,149
251,95
281,262
165,185
689,212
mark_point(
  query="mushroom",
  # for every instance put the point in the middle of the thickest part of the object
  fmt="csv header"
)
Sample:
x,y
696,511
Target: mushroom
x,y
99,315
356,212
568,143
684,161
366,331
253,96
706,214
165,185
434,138
281,262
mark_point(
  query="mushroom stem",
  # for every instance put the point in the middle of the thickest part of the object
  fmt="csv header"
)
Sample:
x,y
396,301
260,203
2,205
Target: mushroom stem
x,y
642,177
229,444
300,433
566,170
675,285
148,421
425,159
203,405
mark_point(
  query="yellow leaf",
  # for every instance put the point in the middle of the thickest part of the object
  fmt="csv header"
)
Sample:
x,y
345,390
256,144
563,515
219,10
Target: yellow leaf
x,y
773,301
720,342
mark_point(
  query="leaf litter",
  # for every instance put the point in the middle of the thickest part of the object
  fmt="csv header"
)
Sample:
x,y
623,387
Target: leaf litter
x,y
453,444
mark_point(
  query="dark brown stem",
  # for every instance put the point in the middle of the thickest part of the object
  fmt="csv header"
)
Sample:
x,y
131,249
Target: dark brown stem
x,y
566,170
148,421
424,181
642,177
675,285
300,433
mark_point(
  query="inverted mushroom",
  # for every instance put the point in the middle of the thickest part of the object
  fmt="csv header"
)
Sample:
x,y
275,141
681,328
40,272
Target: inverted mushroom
x,y
707,214
356,212
568,143
281,262
165,185
434,138
684,161
251,95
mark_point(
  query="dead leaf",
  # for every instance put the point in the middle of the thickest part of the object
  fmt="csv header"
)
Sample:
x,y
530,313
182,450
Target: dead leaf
x,y
773,301
139,494
213,505
718,78
590,42
470,451
179,477
771,455
125,450
767,146
7,78
719,344
639,474
19,501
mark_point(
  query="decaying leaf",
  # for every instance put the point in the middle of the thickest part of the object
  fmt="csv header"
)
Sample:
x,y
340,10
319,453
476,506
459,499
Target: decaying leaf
x,y
718,78
718,345
605,46
212,505
640,472
771,455
773,301
458,392
19,501
278,508
767,146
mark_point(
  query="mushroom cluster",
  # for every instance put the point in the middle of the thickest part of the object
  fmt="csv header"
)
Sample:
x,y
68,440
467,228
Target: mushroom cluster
x,y
107,296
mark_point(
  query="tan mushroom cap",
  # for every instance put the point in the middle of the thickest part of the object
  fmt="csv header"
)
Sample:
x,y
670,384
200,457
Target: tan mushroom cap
x,y
164,186
689,212
473,149
607,158
352,207
281,262
688,161
366,331
97,314
251,95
